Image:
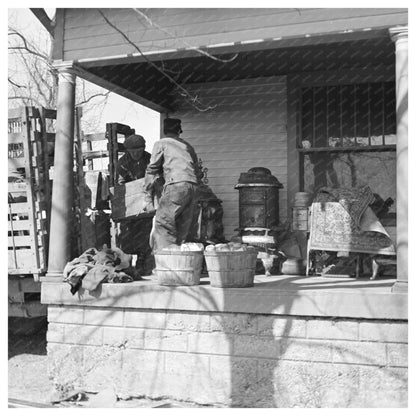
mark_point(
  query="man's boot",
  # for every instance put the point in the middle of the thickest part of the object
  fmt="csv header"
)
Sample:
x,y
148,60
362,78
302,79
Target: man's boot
x,y
149,264
140,263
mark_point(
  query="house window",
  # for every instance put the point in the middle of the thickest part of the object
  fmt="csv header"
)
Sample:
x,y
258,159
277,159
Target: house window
x,y
348,137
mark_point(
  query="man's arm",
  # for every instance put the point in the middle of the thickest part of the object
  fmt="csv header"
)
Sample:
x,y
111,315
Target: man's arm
x,y
122,174
197,168
155,167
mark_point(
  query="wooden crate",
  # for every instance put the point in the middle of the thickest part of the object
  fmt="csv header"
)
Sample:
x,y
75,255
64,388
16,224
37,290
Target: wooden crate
x,y
25,233
29,197
129,200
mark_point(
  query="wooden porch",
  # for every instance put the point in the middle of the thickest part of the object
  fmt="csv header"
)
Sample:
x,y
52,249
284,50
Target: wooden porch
x,y
281,295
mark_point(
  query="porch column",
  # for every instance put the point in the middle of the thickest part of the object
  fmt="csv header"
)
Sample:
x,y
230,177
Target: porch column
x,y
399,36
62,188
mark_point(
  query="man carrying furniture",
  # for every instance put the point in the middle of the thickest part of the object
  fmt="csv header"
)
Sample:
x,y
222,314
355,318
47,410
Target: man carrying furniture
x,y
174,159
135,233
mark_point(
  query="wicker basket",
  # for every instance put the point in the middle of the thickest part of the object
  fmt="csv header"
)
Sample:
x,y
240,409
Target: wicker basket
x,y
178,268
231,268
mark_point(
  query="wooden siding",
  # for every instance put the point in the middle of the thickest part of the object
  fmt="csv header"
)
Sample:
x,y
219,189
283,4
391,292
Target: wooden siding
x,y
87,35
247,128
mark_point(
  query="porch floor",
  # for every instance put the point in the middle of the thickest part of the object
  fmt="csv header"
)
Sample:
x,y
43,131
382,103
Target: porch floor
x,y
301,283
290,283
280,295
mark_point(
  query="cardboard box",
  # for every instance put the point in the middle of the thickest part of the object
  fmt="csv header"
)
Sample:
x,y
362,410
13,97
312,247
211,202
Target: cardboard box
x,y
130,200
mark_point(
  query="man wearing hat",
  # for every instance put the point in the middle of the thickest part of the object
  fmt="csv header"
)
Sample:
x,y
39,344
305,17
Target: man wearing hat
x,y
135,233
132,165
176,161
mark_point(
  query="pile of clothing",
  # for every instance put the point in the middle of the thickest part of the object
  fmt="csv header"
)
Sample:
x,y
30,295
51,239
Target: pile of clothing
x,y
94,267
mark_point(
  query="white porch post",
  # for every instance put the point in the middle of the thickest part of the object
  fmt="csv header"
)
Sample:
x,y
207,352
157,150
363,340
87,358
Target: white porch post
x,y
62,188
400,37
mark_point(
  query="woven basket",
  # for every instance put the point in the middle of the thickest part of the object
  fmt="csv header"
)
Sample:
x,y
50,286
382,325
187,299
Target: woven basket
x,y
178,268
231,268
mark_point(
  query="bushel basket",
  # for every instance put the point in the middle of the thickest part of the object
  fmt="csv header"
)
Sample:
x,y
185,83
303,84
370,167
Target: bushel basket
x,y
231,268
178,268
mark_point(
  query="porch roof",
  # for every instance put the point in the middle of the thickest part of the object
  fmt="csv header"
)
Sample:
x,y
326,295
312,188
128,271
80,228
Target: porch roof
x,y
148,82
121,49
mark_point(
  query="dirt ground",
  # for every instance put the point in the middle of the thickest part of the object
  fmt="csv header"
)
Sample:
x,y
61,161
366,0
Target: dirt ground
x,y
28,379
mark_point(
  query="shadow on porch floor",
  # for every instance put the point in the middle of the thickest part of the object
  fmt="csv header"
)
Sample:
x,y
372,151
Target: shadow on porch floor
x,y
301,283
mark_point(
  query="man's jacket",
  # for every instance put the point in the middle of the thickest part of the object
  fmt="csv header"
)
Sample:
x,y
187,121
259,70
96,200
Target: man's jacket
x,y
129,170
175,160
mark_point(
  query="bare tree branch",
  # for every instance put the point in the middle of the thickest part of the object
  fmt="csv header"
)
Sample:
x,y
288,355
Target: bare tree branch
x,y
15,48
201,51
15,84
27,47
186,94
25,98
34,81
37,71
86,100
43,77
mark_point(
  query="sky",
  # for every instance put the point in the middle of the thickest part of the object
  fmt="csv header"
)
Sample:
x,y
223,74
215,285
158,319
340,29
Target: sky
x,y
117,110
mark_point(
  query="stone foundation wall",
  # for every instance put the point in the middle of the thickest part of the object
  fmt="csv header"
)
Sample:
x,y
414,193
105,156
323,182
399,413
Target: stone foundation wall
x,y
229,359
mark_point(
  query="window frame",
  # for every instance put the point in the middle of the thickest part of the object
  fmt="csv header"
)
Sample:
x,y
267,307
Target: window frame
x,y
302,152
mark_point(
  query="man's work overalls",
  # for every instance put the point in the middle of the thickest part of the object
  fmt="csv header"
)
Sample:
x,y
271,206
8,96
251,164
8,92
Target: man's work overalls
x,y
176,217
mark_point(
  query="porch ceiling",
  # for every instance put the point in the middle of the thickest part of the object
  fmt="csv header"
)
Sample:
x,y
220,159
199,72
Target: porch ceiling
x,y
143,79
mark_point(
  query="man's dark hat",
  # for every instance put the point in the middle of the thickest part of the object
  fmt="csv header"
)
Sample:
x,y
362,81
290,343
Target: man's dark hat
x,y
172,125
134,141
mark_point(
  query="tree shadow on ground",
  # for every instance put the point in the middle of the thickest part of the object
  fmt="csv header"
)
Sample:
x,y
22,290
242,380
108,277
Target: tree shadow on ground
x,y
27,336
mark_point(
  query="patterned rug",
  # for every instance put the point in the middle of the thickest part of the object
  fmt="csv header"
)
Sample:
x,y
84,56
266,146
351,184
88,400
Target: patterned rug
x,y
333,229
354,200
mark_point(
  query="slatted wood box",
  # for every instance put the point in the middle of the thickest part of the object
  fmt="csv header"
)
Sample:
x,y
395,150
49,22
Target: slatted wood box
x,y
130,200
26,233
30,152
